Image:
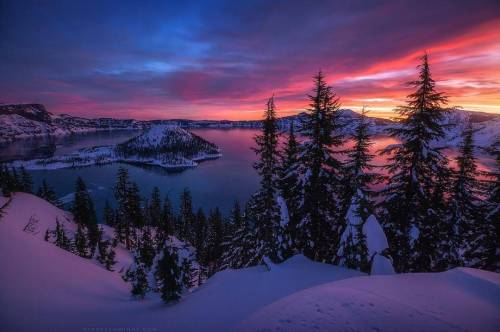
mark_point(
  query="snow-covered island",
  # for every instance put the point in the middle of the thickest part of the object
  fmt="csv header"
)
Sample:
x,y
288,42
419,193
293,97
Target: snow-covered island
x,y
165,146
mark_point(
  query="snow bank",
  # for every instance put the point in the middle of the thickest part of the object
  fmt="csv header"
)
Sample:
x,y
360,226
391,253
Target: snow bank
x,y
457,300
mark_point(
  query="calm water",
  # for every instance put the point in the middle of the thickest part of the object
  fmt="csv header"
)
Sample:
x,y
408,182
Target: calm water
x,y
213,183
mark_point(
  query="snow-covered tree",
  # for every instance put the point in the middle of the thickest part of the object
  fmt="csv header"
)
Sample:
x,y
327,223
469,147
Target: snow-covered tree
x,y
168,275
359,176
85,217
155,208
289,185
47,193
214,241
186,218
320,207
265,210
414,204
466,212
489,238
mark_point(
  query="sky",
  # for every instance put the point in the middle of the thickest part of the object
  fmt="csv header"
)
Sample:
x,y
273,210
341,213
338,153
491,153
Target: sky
x,y
223,59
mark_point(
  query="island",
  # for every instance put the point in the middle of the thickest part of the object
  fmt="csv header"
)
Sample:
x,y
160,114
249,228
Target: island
x,y
166,146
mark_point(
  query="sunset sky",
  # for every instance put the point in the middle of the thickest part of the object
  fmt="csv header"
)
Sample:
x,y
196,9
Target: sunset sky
x,y
223,59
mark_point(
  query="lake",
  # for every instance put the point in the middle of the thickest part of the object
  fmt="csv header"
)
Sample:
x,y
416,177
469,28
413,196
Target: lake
x,y
213,183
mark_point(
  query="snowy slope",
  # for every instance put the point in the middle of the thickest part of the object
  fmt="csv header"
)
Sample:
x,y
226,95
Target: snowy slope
x,y
44,288
457,300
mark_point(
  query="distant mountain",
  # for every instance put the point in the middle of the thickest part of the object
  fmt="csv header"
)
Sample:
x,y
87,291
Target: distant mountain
x,y
29,120
165,146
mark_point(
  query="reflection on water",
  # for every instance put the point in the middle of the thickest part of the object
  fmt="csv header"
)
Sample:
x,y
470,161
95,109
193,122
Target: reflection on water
x,y
213,183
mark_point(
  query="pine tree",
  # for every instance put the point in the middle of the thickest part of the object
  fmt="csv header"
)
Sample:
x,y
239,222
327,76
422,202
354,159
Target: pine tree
x,y
108,214
414,201
47,193
155,208
166,226
358,179
465,207
235,254
266,214
201,234
81,242
186,217
215,238
26,181
146,250
168,275
84,214
490,258
289,185
321,207
140,284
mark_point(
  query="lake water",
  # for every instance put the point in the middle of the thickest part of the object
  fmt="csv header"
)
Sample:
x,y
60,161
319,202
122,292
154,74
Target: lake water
x,y
213,183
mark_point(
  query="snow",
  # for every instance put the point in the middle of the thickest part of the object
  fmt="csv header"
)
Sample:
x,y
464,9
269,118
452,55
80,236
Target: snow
x,y
44,288
456,300
376,240
285,218
381,265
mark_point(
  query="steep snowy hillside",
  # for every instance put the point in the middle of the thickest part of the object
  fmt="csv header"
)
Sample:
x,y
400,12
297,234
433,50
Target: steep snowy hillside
x,y
161,145
44,288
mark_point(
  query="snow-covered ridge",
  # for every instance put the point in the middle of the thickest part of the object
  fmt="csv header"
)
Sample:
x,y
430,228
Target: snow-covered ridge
x,y
161,145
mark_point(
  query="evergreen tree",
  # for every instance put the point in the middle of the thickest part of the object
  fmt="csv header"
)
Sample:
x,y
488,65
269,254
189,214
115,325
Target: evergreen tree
x,y
214,241
47,193
201,234
358,179
166,226
109,214
321,208
84,215
155,208
26,181
146,249
168,275
186,217
489,259
266,214
239,243
465,207
81,242
414,200
140,285
289,184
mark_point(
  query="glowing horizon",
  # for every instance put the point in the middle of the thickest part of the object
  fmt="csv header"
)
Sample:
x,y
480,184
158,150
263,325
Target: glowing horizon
x,y
223,60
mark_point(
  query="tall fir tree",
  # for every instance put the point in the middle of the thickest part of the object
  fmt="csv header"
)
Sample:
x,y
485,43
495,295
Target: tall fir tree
x,y
47,193
26,180
84,214
359,177
167,221
201,234
168,276
414,198
466,211
265,210
289,185
155,208
490,260
108,214
215,238
186,217
321,208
